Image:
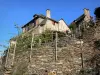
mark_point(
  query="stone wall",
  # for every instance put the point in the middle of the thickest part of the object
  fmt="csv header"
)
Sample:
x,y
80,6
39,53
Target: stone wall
x,y
72,56
68,60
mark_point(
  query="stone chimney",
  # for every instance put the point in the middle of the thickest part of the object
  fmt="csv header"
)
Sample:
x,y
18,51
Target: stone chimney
x,y
87,15
48,13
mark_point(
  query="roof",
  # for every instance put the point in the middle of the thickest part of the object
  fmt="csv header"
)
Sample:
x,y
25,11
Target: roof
x,y
79,19
43,22
28,23
63,20
43,16
37,16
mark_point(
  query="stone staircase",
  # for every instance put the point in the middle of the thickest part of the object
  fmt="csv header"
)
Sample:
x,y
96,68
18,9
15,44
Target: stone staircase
x,y
9,65
8,71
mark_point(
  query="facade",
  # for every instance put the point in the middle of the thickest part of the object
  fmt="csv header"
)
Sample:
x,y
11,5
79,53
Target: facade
x,y
85,17
81,22
40,23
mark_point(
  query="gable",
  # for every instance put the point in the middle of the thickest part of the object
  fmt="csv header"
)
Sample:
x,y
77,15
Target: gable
x,y
63,26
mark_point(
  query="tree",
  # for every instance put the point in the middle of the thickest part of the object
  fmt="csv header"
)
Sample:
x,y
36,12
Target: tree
x,y
97,12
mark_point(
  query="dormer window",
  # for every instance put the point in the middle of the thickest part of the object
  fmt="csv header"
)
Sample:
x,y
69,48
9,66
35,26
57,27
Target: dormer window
x,y
35,16
32,24
27,29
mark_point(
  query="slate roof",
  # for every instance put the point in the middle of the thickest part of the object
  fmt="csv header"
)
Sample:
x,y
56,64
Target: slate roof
x,y
43,22
39,16
43,16
28,23
79,19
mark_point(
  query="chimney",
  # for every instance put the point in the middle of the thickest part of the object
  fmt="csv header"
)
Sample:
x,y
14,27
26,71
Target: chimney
x,y
87,15
48,13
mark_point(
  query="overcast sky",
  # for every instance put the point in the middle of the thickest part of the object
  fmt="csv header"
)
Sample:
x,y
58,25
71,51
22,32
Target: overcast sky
x,y
21,11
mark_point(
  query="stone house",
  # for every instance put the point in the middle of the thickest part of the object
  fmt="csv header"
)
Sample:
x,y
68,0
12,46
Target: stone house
x,y
82,22
40,23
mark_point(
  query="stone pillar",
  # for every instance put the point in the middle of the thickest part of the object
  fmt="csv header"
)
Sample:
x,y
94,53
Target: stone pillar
x,y
48,13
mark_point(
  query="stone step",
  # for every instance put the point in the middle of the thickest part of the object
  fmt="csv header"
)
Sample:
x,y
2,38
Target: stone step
x,y
9,69
7,72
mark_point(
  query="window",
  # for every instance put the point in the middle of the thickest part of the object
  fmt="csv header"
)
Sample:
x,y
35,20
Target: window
x,y
36,22
27,29
53,22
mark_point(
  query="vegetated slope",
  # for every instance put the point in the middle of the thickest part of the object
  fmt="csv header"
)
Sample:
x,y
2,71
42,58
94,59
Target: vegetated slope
x,y
69,54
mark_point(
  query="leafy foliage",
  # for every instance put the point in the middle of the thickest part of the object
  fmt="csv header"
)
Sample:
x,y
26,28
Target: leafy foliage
x,y
97,12
72,26
24,40
97,44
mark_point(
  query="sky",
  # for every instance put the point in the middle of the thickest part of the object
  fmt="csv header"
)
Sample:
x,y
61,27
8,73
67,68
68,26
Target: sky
x,y
21,11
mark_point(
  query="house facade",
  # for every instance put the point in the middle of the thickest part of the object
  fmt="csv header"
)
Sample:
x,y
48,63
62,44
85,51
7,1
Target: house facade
x,y
81,23
40,23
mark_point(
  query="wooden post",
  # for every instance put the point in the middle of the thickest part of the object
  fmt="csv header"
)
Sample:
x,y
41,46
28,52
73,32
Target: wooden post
x,y
31,47
56,46
52,37
79,30
32,40
82,59
39,42
81,52
56,43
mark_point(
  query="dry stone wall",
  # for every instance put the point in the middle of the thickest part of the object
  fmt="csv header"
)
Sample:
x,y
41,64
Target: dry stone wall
x,y
73,58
